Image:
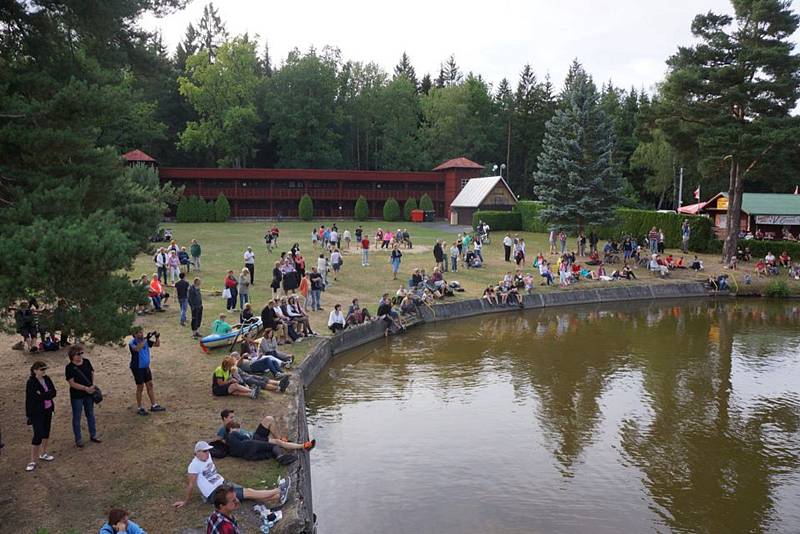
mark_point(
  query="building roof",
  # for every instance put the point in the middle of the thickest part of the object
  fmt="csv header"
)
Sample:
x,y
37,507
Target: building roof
x,y
765,203
692,209
476,191
458,163
137,155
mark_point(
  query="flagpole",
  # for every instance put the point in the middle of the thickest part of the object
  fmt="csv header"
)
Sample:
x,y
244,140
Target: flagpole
x,y
680,190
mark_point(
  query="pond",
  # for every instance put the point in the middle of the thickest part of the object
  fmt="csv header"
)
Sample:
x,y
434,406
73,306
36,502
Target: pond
x,y
660,416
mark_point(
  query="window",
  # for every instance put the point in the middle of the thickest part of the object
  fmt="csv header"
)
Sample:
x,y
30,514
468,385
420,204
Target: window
x,y
464,182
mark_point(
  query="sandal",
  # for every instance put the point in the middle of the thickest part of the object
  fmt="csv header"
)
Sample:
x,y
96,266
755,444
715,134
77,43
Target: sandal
x,y
31,466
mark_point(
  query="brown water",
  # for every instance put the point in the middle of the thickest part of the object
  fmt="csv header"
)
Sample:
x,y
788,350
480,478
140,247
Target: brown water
x,y
646,417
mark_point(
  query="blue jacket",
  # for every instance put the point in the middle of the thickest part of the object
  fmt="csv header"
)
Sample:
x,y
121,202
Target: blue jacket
x,y
133,528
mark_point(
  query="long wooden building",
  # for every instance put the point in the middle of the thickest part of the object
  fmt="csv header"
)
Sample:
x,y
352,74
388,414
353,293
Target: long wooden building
x,y
276,192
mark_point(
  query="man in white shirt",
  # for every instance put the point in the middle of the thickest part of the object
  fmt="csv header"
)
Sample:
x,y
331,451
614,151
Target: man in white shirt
x,y
334,239
161,264
203,473
507,242
250,263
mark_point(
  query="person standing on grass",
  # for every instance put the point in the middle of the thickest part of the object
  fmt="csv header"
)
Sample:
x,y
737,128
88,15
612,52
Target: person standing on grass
x,y
438,253
140,347
160,259
195,299
334,238
364,250
250,264
317,283
686,233
347,238
562,239
203,474
195,251
174,266
652,238
80,375
243,287
336,262
182,289
507,244
454,257
359,234
230,285
39,407
593,240
322,268
394,259
277,277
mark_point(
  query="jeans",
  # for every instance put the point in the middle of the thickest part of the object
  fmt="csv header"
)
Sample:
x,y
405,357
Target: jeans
x,y
315,295
365,256
156,302
162,274
267,363
454,263
183,303
231,304
244,298
196,262
653,246
563,246
86,405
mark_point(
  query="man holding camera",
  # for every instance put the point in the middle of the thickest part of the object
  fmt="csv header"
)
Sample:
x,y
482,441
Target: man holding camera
x,y
140,367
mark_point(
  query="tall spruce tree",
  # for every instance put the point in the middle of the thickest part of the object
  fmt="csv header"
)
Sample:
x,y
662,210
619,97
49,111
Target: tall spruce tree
x,y
212,31
576,178
451,74
405,68
735,90
187,47
426,84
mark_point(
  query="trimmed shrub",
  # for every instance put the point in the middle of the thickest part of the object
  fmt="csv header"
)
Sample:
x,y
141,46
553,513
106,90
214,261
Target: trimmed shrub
x,y
391,210
776,288
210,210
305,208
529,211
361,211
425,203
408,207
759,249
498,220
182,211
222,209
195,209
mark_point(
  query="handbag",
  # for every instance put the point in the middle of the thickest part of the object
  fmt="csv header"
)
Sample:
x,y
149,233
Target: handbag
x,y
226,293
97,396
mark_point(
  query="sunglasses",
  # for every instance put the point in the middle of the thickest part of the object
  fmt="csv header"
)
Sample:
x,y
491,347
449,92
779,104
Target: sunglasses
x,y
43,369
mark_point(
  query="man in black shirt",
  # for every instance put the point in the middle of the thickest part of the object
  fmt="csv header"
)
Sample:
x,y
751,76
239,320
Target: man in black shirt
x,y
182,289
196,305
80,375
387,314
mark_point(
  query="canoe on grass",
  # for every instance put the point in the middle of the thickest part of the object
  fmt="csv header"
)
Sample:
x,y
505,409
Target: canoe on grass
x,y
215,341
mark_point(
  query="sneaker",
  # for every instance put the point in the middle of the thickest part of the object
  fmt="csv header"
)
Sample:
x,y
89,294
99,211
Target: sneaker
x,y
254,393
142,411
157,408
308,445
47,457
79,444
283,488
283,384
30,467
96,440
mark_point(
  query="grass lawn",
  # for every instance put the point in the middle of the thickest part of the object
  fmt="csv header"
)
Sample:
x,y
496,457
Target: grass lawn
x,y
142,461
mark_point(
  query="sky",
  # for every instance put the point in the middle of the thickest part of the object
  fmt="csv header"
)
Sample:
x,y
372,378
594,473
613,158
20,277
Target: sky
x,y
625,41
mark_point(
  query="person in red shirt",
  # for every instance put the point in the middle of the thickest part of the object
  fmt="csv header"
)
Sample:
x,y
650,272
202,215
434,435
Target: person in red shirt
x,y
365,251
156,291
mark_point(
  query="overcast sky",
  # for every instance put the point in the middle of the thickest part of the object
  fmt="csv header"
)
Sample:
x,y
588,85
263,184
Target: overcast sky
x,y
626,41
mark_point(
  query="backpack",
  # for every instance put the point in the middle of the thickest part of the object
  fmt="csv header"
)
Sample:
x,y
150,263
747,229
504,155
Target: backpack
x,y
220,449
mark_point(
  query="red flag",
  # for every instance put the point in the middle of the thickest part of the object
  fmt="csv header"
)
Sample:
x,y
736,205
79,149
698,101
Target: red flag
x,y
697,193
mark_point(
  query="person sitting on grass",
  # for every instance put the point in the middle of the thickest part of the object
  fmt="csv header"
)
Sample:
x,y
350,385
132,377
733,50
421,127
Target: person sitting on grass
x,y
267,431
203,474
356,314
784,259
769,259
794,271
296,313
118,523
220,326
697,264
223,383
336,320
670,262
253,381
627,272
761,268
544,272
527,282
594,258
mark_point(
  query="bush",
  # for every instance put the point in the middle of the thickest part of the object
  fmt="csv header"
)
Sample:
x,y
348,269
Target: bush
x,y
759,249
498,220
425,203
391,210
182,211
196,209
637,223
408,207
305,209
222,209
361,211
529,211
776,288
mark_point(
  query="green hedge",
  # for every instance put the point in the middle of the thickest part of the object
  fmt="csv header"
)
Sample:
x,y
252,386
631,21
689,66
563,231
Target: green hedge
x,y
498,220
759,249
361,211
425,203
305,208
408,207
391,210
222,209
637,223
529,211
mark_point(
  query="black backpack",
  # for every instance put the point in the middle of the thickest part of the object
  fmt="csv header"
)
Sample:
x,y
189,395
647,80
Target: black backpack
x,y
219,449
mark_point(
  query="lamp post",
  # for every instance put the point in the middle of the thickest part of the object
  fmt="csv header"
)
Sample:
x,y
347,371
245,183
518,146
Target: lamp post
x,y
502,167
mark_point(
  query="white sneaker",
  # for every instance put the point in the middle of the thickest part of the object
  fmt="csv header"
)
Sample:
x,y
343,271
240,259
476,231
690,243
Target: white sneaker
x,y
30,467
47,457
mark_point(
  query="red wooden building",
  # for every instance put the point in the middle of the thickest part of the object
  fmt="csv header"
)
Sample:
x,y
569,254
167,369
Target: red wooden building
x,y
276,192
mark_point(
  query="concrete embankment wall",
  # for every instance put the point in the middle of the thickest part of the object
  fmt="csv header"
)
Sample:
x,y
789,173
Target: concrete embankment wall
x,y
302,512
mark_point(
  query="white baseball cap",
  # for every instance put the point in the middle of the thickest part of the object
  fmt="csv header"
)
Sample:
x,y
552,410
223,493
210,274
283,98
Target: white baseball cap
x,y
202,446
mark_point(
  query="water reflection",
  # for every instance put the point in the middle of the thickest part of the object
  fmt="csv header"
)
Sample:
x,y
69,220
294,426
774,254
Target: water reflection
x,y
652,416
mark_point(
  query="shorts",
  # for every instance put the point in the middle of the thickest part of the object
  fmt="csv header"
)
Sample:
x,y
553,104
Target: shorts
x,y
336,267
261,433
219,391
141,376
41,427
237,490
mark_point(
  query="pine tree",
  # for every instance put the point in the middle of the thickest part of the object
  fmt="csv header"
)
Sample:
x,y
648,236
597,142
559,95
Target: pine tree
x,y
187,47
305,209
451,74
222,209
361,211
408,207
425,85
425,203
576,179
266,61
391,210
181,212
212,31
405,68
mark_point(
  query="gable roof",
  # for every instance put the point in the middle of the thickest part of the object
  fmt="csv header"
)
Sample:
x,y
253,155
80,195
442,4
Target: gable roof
x,y
766,203
458,163
137,155
476,191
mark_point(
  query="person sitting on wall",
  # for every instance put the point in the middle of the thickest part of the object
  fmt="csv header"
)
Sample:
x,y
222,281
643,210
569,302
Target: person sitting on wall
x,y
770,259
356,314
784,259
336,320
388,315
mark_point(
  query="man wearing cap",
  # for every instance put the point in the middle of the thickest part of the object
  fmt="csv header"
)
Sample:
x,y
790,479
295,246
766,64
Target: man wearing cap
x,y
250,263
203,473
